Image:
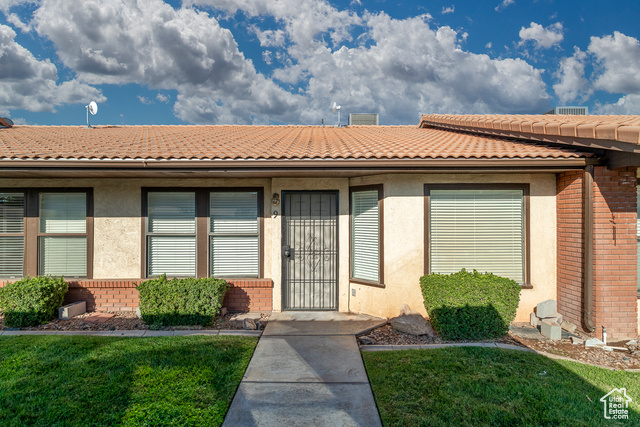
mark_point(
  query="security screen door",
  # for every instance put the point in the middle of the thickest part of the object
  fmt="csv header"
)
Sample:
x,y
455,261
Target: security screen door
x,y
310,250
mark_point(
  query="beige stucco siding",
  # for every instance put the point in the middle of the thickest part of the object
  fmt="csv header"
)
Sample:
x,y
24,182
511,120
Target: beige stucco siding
x,y
117,241
404,240
118,228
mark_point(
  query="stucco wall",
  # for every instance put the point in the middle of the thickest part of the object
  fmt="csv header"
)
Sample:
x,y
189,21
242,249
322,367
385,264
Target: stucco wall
x,y
117,224
404,240
117,231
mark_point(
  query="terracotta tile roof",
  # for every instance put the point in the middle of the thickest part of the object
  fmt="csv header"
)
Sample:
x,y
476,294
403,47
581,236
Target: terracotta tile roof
x,y
263,142
612,128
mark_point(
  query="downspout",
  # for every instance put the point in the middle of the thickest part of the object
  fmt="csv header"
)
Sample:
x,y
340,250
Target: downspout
x,y
587,311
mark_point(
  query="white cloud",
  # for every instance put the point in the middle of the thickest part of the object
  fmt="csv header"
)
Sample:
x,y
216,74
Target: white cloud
x,y
628,104
504,5
572,83
399,68
449,9
162,98
618,63
540,36
488,45
5,5
32,85
15,20
144,100
148,42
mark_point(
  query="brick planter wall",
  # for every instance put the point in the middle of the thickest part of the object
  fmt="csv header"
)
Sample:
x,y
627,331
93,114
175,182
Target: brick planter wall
x,y
122,295
614,250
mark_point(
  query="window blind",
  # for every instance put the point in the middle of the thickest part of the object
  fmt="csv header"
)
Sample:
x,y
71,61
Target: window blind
x,y
477,229
63,213
11,212
172,255
172,226
11,246
365,235
234,242
63,256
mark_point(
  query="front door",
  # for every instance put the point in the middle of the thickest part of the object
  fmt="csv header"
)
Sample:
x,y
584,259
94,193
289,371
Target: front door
x,y
310,250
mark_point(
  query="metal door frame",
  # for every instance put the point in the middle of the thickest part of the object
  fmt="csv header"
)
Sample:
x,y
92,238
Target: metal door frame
x,y
284,233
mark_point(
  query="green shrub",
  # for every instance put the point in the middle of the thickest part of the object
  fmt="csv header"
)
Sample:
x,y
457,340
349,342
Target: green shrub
x,y
181,301
32,301
470,306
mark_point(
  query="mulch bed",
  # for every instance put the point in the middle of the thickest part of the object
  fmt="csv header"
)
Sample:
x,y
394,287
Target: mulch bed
x,y
630,359
127,321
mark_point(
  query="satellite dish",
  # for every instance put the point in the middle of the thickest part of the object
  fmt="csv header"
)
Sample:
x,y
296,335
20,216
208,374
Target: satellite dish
x,y
93,109
5,122
336,109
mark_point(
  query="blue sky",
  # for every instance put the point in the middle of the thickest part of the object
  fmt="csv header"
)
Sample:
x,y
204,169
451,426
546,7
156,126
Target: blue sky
x,y
286,61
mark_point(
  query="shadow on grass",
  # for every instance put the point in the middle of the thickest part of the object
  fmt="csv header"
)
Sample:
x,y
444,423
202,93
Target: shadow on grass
x,y
81,380
473,386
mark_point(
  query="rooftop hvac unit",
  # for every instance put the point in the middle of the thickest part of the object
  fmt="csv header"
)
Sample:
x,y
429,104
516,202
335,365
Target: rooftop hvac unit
x,y
573,111
367,119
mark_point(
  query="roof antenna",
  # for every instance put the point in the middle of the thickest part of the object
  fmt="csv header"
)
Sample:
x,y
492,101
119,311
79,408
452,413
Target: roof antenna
x,y
336,108
93,109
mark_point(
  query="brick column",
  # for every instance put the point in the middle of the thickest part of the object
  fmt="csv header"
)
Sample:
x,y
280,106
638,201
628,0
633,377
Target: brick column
x,y
615,252
570,245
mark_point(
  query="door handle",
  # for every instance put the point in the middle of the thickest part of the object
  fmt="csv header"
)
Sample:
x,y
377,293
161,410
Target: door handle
x,y
287,251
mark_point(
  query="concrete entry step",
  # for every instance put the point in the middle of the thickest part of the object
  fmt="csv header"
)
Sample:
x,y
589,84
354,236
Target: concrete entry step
x,y
320,323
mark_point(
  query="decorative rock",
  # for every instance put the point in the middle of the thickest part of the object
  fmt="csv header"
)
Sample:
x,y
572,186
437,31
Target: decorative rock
x,y
576,341
223,311
568,326
555,317
535,321
249,324
66,312
411,322
546,308
632,342
551,330
593,342
365,340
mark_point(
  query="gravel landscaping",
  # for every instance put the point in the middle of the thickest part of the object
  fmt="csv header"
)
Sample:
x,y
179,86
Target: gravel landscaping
x,y
129,321
629,359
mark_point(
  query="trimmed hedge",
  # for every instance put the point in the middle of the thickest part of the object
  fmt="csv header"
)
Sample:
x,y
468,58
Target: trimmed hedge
x,y
470,306
186,301
32,300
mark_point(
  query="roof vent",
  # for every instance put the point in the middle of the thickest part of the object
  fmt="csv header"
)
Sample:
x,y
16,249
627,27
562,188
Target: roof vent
x,y
6,122
367,119
572,111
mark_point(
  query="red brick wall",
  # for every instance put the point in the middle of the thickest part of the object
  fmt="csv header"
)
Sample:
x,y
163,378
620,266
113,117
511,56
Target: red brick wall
x,y
250,295
615,252
570,245
122,295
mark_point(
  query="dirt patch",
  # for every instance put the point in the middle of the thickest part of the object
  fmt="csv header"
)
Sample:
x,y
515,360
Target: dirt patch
x,y
129,321
628,359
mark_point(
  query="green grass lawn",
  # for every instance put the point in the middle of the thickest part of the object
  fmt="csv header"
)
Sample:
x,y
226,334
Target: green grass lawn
x,y
88,381
483,386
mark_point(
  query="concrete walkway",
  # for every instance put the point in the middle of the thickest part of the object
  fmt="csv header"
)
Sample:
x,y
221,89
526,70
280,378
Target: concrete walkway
x,y
307,370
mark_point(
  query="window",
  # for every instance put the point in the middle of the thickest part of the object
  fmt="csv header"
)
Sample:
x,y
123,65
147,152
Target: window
x,y
203,232
366,235
233,233
46,232
171,233
11,234
476,227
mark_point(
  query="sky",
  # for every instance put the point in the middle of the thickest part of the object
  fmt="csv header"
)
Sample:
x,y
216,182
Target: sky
x,y
286,61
